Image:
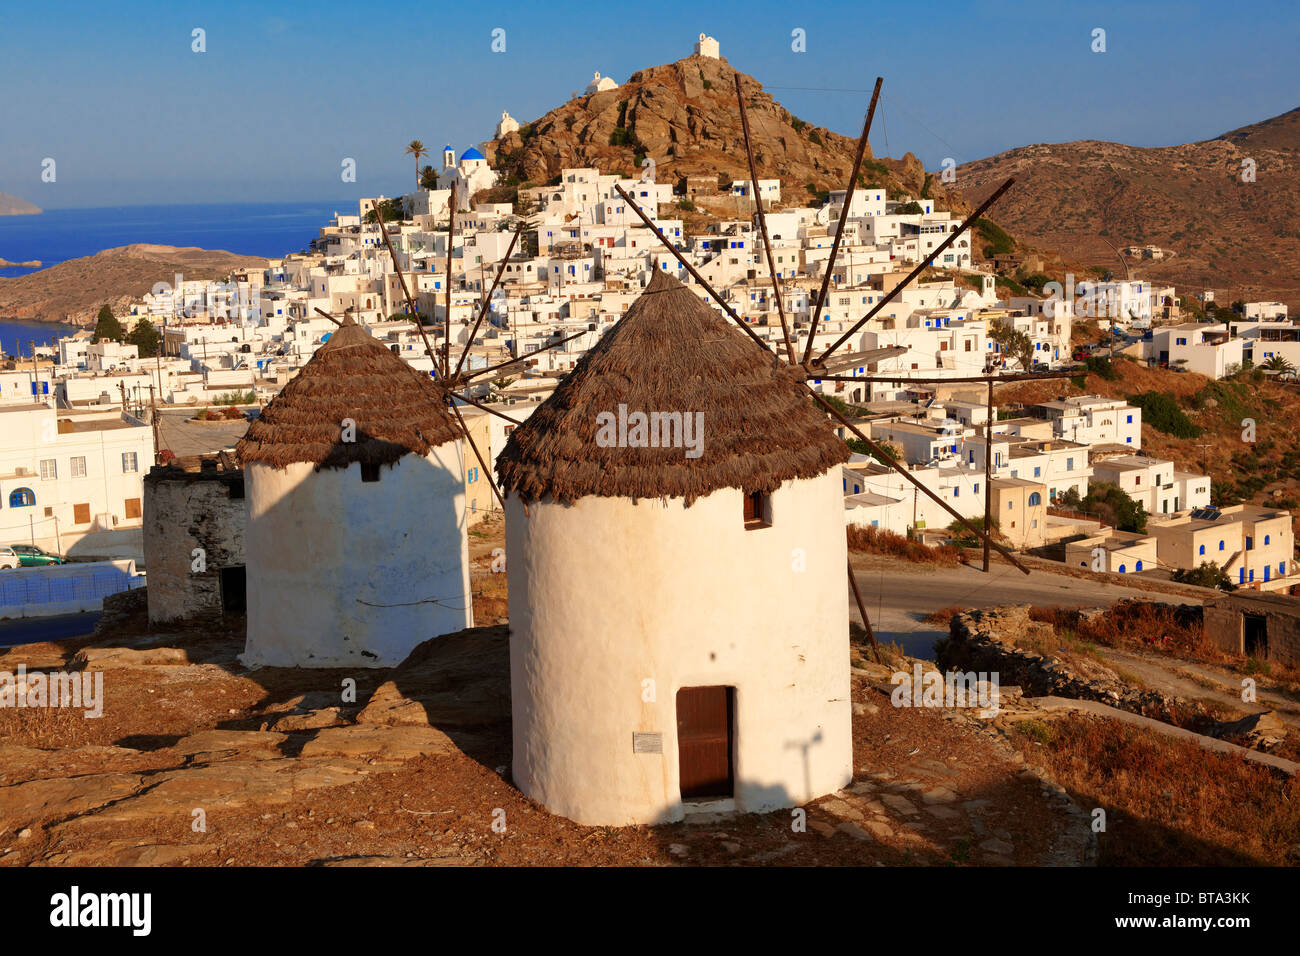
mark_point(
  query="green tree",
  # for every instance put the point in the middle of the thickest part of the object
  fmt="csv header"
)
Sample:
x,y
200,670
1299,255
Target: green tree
x,y
145,338
428,178
1016,344
417,149
390,208
860,447
1115,507
107,328
1206,575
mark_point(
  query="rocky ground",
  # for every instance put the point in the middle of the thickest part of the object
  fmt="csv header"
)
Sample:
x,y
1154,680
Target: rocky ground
x,y
199,761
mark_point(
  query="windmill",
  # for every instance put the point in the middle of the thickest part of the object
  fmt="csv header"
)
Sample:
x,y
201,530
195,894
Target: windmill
x,y
822,366
452,380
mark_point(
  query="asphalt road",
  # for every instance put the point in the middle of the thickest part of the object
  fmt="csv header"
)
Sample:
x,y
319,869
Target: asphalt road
x,y
898,595
29,630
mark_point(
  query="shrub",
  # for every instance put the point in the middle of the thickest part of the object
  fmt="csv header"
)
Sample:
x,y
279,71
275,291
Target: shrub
x,y
1161,412
1206,575
1101,366
874,540
998,241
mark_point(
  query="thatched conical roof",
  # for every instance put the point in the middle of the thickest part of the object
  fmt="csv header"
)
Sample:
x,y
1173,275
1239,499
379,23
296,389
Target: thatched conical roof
x,y
671,353
396,409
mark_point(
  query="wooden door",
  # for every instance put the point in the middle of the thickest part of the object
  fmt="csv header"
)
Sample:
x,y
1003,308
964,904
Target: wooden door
x,y
704,722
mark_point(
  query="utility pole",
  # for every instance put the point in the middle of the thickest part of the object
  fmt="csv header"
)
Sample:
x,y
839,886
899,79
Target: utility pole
x,y
988,474
157,450
36,385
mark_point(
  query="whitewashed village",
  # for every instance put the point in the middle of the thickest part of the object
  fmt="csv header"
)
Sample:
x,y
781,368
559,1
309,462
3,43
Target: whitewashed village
x,y
348,457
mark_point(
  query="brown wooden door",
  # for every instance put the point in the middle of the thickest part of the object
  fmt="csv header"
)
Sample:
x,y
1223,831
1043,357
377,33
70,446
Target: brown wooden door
x,y
704,720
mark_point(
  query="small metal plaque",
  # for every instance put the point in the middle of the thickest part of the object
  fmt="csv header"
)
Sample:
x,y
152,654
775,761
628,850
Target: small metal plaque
x,y
647,743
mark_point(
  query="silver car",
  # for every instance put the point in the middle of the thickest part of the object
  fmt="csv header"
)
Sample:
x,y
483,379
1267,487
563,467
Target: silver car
x,y
8,559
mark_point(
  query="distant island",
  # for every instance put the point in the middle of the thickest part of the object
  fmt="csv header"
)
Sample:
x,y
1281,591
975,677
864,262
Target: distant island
x,y
72,291
13,206
29,264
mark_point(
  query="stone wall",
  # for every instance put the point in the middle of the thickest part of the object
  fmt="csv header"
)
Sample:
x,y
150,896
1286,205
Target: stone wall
x,y
184,511
992,639
1224,624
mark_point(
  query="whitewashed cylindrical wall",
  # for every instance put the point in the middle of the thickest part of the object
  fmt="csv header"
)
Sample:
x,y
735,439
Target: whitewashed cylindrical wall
x,y
606,595
344,572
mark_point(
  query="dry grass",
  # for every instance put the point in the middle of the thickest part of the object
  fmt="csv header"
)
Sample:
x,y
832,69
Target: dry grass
x,y
1164,629
1134,625
1169,802
877,541
943,617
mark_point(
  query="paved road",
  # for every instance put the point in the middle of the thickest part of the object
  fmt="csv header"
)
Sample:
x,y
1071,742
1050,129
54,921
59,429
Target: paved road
x,y
31,629
194,438
898,595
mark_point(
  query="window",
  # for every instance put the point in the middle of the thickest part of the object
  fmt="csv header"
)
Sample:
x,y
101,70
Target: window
x,y
1266,538
81,513
21,498
1130,419
1123,568
472,475
79,466
1202,550
1138,566
49,469
1220,545
1250,543
133,507
1069,464
1037,471
369,472
130,462
1035,499
757,510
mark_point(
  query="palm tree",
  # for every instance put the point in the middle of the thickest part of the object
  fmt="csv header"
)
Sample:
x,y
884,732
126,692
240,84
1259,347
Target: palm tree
x,y
417,149
1278,363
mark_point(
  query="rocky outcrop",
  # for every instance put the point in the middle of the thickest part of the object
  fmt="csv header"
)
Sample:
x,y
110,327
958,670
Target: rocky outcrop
x,y
683,115
997,639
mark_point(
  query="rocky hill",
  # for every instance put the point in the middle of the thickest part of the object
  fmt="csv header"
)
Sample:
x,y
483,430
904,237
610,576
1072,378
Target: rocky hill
x,y
1086,199
73,291
683,115
13,206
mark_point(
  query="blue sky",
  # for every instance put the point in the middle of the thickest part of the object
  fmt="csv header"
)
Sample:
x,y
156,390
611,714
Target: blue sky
x,y
115,95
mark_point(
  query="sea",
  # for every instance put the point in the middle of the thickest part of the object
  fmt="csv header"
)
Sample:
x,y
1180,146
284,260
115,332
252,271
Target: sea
x,y
56,235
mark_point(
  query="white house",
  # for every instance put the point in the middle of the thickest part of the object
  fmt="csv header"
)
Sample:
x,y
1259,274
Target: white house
x,y
72,482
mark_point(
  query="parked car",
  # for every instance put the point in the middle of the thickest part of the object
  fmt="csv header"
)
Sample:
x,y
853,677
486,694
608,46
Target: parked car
x,y
30,556
8,559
